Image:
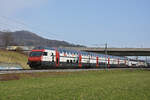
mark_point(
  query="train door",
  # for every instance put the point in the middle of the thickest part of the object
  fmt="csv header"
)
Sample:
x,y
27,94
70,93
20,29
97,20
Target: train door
x,y
52,56
46,56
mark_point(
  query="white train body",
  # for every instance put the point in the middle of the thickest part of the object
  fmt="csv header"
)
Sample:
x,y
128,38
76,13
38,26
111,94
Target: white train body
x,y
62,58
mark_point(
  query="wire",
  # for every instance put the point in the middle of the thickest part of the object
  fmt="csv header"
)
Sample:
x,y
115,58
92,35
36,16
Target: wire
x,y
29,27
10,25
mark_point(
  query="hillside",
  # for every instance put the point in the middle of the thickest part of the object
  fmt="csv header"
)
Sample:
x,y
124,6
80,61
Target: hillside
x,y
27,38
14,57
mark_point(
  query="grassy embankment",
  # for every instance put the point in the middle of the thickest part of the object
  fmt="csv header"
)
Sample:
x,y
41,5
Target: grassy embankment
x,y
13,57
91,85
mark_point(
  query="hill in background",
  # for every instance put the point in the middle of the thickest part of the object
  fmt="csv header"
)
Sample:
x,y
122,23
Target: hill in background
x,y
26,38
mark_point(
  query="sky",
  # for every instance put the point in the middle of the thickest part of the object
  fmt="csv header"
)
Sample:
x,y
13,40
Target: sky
x,y
119,23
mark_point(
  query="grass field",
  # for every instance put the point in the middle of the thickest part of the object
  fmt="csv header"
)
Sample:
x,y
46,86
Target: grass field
x,y
91,85
14,57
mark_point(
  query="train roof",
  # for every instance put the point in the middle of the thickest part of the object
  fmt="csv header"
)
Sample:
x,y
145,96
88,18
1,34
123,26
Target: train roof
x,y
79,52
41,47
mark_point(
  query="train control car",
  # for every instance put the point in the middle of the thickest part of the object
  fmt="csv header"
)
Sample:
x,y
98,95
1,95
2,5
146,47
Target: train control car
x,y
45,57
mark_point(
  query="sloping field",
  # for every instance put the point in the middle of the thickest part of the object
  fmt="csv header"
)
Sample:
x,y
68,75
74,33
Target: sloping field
x,y
14,57
90,85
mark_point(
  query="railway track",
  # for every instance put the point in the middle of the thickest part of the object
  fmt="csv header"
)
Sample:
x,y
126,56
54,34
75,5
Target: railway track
x,y
65,70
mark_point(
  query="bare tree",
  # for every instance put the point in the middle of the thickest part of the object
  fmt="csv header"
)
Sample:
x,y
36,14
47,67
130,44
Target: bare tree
x,y
7,39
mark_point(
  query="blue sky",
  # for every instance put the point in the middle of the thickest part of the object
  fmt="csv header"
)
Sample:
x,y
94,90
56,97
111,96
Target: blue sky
x,y
120,23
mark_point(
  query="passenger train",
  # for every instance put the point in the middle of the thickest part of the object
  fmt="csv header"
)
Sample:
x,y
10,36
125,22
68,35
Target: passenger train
x,y
46,58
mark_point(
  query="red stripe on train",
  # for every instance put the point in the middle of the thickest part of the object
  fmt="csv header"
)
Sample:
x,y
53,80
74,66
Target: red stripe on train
x,y
80,58
34,59
40,50
108,62
57,58
97,62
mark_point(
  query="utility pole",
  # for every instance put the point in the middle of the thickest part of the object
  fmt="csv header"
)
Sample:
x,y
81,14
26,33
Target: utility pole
x,y
106,55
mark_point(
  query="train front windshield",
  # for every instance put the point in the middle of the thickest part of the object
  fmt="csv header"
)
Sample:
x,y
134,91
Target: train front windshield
x,y
36,54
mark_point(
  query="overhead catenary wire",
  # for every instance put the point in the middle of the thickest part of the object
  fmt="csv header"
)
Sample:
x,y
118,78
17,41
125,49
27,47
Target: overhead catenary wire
x,y
7,27
10,24
23,26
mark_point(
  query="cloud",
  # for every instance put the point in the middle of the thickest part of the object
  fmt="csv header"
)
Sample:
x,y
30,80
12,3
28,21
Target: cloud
x,y
9,7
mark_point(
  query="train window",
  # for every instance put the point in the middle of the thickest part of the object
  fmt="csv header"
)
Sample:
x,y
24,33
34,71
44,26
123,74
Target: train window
x,y
77,61
63,51
70,61
52,54
70,53
60,51
44,53
67,52
35,54
52,59
67,61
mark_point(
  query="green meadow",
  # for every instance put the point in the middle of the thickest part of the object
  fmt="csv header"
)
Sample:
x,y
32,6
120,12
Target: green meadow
x,y
86,85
